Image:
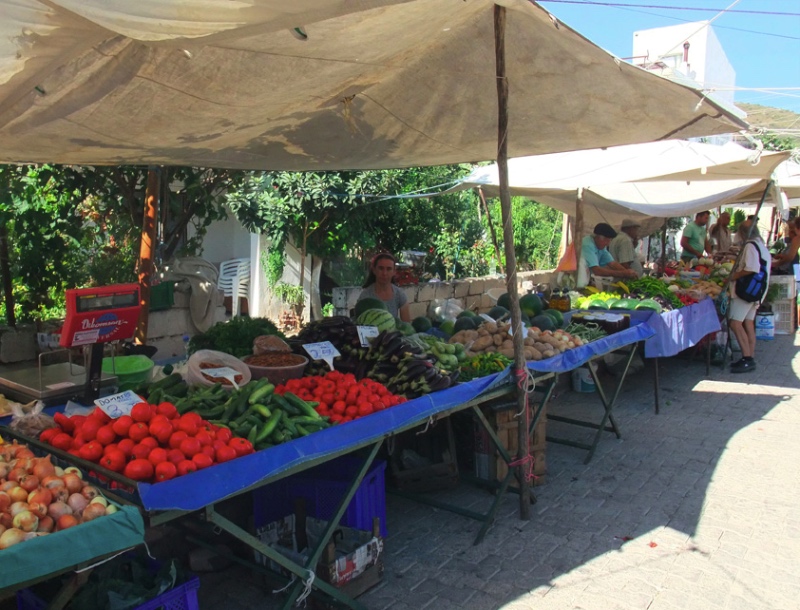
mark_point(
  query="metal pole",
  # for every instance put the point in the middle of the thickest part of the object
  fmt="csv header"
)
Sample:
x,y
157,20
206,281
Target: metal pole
x,y
520,368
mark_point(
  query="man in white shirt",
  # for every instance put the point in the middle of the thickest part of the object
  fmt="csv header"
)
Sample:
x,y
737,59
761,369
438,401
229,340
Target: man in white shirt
x,y
623,246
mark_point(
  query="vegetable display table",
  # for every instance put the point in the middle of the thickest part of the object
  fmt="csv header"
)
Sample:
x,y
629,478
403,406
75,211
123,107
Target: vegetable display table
x,y
676,331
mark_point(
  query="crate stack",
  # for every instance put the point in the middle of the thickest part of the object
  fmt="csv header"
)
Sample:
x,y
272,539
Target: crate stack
x,y
507,427
784,306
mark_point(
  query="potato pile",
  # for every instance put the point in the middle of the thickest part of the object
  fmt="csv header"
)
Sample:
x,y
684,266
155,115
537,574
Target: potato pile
x,y
495,337
710,289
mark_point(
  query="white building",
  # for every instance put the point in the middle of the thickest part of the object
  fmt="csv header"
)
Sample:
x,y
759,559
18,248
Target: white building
x,y
689,50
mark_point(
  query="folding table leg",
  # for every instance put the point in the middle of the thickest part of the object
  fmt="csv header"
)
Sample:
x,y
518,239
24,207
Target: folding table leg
x,y
656,384
302,572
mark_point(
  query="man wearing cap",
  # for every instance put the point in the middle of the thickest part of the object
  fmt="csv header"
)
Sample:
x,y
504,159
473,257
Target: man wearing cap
x,y
694,240
623,246
596,259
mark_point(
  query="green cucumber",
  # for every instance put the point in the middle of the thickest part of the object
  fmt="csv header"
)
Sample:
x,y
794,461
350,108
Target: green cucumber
x,y
302,405
312,421
288,424
285,405
269,427
260,393
262,410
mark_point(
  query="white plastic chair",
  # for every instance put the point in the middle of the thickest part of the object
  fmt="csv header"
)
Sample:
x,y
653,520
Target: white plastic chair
x,y
234,281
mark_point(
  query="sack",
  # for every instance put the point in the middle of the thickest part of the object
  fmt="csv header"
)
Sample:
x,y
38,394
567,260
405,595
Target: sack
x,y
753,286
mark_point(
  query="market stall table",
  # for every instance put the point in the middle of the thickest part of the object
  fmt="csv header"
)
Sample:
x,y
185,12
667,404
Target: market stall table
x,y
677,330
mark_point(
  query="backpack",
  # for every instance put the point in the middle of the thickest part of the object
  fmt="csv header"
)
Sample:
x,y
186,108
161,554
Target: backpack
x,y
753,286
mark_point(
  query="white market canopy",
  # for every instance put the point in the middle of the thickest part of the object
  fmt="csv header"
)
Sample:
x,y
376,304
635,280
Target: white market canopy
x,y
313,85
646,182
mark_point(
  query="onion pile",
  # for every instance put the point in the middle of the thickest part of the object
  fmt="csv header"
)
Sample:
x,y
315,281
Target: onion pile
x,y
38,498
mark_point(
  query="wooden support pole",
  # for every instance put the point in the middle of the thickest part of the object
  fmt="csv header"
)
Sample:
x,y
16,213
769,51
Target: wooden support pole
x,y
491,229
520,367
147,250
577,236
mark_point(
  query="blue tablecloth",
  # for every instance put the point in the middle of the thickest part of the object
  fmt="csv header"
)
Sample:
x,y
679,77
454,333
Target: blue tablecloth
x,y
677,330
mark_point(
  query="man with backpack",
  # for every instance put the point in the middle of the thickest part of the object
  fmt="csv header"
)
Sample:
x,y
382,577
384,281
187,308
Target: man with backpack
x,y
748,281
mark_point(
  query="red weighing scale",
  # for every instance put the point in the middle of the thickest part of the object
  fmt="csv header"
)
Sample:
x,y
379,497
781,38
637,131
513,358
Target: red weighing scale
x,y
94,316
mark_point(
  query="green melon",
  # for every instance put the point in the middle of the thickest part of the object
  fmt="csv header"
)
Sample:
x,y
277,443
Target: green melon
x,y
467,313
497,312
504,301
448,327
558,317
526,319
466,323
406,328
380,318
531,304
368,303
421,324
543,322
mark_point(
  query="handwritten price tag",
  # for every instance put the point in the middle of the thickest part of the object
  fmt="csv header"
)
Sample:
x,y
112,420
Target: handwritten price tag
x,y
222,372
365,333
118,405
324,350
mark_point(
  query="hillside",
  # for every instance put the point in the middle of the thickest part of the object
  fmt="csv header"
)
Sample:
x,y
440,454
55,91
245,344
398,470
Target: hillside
x,y
769,118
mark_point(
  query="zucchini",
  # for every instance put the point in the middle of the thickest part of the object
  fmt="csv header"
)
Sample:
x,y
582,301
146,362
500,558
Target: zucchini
x,y
302,406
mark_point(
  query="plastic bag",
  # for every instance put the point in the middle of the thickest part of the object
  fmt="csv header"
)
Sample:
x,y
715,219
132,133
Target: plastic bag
x,y
445,308
206,358
29,419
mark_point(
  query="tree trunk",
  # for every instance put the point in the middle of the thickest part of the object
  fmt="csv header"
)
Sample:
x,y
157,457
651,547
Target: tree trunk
x,y
314,289
147,251
5,270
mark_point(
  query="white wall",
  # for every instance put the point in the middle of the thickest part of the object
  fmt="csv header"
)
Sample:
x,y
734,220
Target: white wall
x,y
225,239
707,63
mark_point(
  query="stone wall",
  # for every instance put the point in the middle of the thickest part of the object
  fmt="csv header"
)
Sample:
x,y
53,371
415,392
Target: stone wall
x,y
470,293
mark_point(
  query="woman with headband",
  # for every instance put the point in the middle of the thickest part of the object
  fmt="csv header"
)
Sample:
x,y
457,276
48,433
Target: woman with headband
x,y
380,285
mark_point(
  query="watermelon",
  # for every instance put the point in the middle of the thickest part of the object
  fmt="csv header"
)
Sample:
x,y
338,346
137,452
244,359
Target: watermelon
x,y
405,328
597,304
497,312
531,305
368,303
380,318
448,327
543,322
504,301
467,313
558,317
421,324
465,323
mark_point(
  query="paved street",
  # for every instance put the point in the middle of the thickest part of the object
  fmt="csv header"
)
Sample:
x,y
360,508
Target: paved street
x,y
695,508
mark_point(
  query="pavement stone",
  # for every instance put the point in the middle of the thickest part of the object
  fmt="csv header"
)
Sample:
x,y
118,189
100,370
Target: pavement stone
x,y
695,508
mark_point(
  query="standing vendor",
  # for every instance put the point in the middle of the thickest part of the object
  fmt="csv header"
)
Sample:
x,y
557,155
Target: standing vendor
x,y
596,259
694,240
380,285
720,235
623,246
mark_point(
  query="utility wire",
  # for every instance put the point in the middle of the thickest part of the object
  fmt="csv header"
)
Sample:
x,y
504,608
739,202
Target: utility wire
x,y
672,8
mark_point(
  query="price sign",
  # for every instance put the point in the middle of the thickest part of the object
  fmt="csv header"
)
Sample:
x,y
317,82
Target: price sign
x,y
324,350
221,372
118,405
365,333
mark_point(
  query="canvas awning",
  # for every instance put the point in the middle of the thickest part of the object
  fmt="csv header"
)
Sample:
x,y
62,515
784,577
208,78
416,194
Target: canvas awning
x,y
269,84
646,182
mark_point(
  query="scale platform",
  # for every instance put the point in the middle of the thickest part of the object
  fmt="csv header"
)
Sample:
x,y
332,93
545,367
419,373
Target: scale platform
x,y
52,384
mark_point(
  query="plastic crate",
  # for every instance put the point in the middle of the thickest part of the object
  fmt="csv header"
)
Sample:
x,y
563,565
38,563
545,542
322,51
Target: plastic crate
x,y
162,296
182,597
323,488
788,286
784,310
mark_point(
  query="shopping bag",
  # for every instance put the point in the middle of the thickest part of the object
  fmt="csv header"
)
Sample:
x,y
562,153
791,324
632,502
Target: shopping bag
x,y
568,262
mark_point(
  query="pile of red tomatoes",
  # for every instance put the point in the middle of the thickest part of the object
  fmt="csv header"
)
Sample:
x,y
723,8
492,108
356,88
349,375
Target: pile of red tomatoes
x,y
340,396
154,443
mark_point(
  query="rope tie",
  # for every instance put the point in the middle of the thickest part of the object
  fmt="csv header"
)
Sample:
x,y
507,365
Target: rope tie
x,y
525,383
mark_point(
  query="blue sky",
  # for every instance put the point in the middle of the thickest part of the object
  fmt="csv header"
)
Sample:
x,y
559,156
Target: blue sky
x,y
763,49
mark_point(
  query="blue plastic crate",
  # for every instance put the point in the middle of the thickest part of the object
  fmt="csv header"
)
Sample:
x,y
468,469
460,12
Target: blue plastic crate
x,y
323,488
182,597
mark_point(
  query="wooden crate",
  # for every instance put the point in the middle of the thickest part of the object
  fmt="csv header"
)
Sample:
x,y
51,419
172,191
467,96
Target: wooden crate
x,y
506,425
